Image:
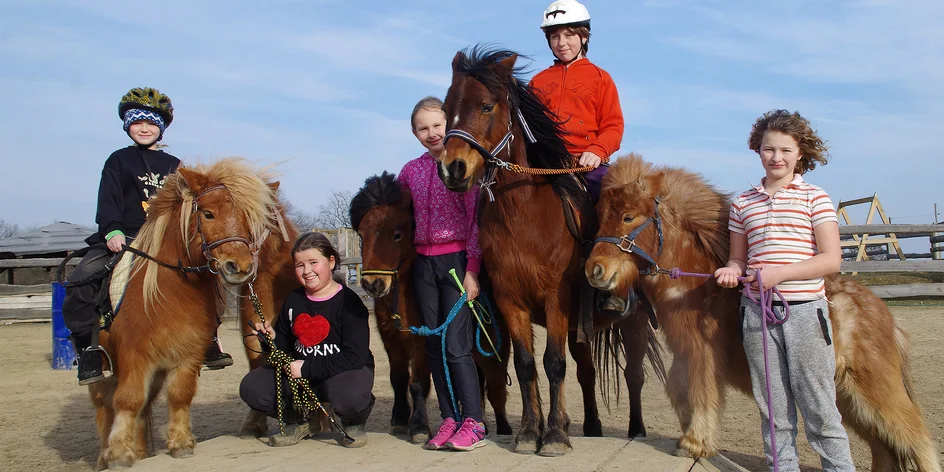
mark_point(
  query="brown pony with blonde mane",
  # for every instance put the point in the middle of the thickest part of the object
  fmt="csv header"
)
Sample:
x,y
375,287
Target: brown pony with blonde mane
x,y
203,216
382,214
700,319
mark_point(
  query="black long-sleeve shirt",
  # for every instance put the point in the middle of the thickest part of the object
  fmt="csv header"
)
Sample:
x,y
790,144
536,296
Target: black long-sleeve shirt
x,y
128,181
331,336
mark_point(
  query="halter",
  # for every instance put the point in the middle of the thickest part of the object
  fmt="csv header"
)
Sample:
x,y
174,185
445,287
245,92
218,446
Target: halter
x,y
395,288
207,247
628,244
492,161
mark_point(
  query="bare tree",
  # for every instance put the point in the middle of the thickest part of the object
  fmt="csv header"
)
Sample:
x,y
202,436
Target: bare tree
x,y
336,212
302,220
8,229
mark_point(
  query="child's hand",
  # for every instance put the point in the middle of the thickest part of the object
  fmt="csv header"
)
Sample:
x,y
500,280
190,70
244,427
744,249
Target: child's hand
x,y
296,367
771,277
114,244
589,159
727,277
266,328
471,284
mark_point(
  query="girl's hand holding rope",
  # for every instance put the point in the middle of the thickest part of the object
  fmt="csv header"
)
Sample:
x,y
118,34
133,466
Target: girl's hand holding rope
x,y
264,327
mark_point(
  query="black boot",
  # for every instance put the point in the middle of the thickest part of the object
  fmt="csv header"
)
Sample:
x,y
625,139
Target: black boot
x,y
89,360
215,359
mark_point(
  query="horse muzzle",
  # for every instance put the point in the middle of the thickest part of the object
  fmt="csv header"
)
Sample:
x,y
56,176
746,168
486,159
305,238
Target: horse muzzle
x,y
596,276
454,175
375,286
233,274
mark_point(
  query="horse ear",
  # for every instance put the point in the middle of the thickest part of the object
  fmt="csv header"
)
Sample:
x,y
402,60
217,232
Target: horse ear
x,y
195,181
506,66
654,182
274,186
455,61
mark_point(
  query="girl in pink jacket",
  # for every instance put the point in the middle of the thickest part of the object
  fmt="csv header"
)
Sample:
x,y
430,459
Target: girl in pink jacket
x,y
447,237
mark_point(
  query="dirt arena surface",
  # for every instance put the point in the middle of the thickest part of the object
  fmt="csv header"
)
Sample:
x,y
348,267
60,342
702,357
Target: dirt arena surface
x,y
47,422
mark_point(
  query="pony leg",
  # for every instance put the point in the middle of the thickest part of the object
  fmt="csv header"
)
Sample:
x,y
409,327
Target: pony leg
x,y
102,396
677,389
419,393
556,440
494,374
706,398
587,378
522,336
129,400
400,381
635,336
180,391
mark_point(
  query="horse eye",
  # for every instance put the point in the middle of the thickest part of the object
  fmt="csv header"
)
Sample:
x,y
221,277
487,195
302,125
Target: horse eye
x,y
208,214
488,108
627,219
397,236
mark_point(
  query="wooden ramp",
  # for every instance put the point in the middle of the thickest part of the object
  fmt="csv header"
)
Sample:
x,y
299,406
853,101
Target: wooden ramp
x,y
389,454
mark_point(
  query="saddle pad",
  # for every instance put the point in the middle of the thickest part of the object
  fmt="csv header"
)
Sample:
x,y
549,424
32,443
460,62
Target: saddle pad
x,y
119,281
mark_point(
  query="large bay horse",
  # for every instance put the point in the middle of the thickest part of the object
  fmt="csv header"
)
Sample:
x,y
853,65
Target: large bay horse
x,y
701,323
529,245
382,214
205,217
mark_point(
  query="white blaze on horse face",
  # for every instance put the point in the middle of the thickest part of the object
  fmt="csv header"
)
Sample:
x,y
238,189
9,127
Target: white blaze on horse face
x,y
455,121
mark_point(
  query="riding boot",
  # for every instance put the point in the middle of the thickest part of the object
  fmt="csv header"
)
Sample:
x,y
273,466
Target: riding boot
x,y
89,359
215,358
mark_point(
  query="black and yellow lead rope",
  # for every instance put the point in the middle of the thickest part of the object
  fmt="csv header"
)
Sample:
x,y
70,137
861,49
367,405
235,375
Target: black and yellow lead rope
x,y
304,399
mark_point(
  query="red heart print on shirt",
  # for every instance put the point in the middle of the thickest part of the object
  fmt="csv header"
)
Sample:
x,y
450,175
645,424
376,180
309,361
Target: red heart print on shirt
x,y
310,330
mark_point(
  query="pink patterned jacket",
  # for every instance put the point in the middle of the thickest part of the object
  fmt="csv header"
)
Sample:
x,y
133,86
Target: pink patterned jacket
x,y
446,221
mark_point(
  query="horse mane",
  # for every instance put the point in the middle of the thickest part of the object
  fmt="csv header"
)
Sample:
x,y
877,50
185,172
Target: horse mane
x,y
378,190
549,151
688,201
251,193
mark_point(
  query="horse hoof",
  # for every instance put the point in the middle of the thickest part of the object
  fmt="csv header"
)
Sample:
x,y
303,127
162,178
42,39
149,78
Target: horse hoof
x,y
526,447
688,446
122,463
593,429
419,438
182,453
641,433
398,429
555,443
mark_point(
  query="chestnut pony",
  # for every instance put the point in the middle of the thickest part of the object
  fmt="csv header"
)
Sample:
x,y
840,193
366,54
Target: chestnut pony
x,y
530,245
203,216
382,214
874,389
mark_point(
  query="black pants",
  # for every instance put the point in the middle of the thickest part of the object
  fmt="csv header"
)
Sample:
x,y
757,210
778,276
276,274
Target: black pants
x,y
348,393
436,293
78,307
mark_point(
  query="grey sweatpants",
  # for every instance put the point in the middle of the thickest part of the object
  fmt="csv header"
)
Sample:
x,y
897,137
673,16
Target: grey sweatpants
x,y
802,373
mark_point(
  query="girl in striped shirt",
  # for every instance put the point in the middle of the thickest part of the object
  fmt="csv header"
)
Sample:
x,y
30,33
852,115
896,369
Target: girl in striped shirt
x,y
788,229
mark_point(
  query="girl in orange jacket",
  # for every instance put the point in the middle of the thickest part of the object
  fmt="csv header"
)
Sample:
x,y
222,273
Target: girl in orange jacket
x,y
582,95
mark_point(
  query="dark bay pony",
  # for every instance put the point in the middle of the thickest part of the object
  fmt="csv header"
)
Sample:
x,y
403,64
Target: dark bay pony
x,y
874,388
530,246
382,214
203,216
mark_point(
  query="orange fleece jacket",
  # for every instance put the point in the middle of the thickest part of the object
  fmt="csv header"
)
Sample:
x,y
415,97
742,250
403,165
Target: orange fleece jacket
x,y
584,98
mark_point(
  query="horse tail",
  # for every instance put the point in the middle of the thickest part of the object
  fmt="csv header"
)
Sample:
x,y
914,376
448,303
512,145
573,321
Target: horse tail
x,y
903,346
608,352
654,352
919,448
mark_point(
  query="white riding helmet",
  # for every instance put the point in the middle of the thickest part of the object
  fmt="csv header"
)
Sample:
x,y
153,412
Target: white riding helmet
x,y
566,13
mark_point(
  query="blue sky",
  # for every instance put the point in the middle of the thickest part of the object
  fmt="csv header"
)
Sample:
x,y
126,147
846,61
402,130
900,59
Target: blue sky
x,y
326,87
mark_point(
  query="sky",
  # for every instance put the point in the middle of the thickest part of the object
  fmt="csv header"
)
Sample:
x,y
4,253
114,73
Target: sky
x,y
325,88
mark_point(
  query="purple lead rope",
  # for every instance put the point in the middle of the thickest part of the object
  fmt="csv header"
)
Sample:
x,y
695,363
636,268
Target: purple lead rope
x,y
770,318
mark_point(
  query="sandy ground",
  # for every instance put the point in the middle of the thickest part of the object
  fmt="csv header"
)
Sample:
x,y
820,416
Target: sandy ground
x,y
47,422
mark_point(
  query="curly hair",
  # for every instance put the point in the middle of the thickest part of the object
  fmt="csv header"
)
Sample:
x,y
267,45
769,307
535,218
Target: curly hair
x,y
813,149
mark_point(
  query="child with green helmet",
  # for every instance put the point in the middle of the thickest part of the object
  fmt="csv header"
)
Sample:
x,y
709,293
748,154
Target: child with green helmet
x,y
130,177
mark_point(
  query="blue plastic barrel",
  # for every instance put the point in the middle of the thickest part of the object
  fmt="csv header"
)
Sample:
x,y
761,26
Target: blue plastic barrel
x,y
63,353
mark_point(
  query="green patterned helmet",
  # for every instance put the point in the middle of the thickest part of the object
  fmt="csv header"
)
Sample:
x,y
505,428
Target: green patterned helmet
x,y
147,98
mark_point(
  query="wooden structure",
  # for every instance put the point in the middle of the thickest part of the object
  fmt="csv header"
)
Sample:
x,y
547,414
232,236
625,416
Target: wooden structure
x,y
861,241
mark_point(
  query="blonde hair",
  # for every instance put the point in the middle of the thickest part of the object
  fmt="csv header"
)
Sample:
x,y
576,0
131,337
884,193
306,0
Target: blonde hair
x,y
426,103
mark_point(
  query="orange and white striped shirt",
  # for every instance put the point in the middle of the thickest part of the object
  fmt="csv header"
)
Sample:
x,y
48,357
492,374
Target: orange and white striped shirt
x,y
779,230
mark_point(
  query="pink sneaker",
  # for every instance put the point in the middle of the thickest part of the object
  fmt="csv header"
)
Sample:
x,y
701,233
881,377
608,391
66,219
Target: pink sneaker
x,y
470,436
446,430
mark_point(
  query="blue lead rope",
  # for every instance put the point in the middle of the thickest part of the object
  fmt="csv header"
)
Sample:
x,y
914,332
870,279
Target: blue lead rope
x,y
441,332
